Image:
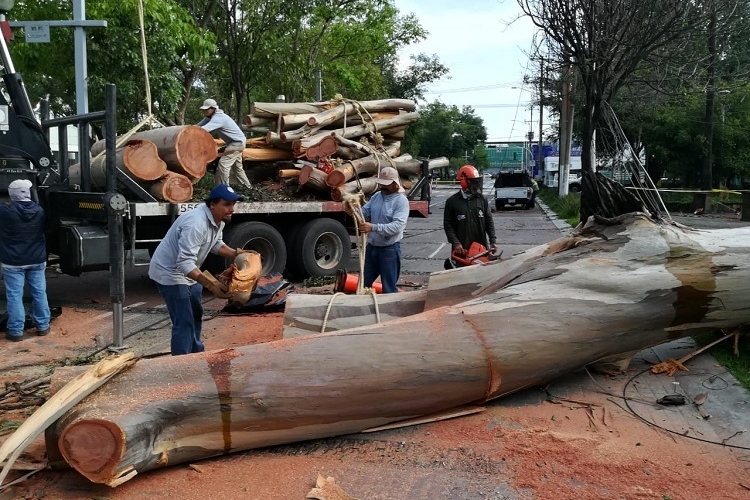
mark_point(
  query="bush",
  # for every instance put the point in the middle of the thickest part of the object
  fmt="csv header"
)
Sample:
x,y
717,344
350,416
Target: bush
x,y
567,208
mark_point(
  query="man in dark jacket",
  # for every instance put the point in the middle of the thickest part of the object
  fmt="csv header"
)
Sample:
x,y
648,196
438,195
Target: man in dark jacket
x,y
23,258
467,217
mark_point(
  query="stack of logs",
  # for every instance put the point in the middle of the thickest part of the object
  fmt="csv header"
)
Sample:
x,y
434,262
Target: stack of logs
x,y
165,161
336,147
328,148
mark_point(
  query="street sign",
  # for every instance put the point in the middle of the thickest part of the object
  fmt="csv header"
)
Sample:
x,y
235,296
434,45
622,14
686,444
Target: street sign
x,y
37,32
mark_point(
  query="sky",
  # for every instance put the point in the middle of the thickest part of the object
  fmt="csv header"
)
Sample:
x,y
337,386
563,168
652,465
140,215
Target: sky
x,y
487,57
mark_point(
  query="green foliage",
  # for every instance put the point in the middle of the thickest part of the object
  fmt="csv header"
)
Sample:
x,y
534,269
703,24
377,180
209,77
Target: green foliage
x,y
237,52
567,208
447,131
738,366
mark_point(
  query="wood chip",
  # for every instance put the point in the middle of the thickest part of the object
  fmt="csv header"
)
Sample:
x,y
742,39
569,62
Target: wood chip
x,y
327,489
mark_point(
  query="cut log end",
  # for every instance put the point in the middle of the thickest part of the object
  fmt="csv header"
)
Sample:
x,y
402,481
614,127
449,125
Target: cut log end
x,y
93,447
335,178
174,188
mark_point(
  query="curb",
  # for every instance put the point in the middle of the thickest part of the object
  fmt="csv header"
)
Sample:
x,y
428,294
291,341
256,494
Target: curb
x,y
559,223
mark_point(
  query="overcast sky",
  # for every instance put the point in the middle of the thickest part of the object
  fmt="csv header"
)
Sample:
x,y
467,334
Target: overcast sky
x,y
486,56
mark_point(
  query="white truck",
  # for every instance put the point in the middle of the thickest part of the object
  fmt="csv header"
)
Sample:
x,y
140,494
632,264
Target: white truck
x,y
513,188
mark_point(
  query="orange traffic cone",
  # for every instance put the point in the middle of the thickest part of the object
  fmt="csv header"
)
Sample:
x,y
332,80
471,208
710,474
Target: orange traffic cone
x,y
347,283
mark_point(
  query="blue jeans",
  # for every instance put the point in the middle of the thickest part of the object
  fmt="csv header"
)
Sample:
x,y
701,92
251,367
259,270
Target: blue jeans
x,y
384,262
186,312
14,278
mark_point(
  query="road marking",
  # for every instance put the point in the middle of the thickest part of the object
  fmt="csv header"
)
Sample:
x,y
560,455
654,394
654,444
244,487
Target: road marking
x,y
131,306
436,251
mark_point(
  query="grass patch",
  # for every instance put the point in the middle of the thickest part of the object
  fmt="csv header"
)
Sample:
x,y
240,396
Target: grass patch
x,y
567,208
738,366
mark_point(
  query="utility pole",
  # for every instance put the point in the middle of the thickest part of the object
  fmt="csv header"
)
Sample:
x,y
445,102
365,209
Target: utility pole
x,y
566,133
540,152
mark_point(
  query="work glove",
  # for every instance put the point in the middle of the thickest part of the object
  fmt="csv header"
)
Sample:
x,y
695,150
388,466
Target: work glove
x,y
213,286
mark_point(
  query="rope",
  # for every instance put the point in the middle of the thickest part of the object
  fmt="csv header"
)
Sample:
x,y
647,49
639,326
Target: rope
x,y
333,298
144,55
353,202
328,311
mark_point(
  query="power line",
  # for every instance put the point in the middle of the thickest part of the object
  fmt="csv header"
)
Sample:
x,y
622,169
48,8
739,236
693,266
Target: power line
x,y
470,89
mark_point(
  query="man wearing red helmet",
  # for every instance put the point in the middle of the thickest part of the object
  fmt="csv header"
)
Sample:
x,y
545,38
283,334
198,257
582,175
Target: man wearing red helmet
x,y
467,217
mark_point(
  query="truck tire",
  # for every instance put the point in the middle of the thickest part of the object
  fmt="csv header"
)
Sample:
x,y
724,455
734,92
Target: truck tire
x,y
262,238
321,247
499,205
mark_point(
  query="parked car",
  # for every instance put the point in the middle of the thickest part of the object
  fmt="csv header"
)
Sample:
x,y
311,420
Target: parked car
x,y
514,189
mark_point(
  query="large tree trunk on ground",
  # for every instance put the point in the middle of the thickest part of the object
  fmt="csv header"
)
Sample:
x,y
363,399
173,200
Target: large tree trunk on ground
x,y
173,187
617,287
137,158
186,149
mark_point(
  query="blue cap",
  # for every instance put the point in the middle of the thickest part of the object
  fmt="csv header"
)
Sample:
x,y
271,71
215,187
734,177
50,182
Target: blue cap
x,y
224,192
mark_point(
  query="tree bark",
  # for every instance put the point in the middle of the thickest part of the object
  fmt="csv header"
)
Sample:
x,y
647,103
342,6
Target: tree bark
x,y
173,187
274,109
360,130
137,158
617,286
186,149
368,185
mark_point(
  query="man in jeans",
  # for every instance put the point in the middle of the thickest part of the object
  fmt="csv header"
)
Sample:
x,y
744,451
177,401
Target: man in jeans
x,y
230,163
386,215
176,262
23,258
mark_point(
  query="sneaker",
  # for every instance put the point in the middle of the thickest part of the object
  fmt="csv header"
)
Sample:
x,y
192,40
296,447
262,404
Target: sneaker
x,y
14,338
42,333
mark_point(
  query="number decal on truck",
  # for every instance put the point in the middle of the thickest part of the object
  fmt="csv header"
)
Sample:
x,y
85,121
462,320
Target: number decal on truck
x,y
185,207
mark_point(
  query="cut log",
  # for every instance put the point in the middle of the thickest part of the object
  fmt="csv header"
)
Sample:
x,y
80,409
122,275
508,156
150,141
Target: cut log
x,y
64,399
367,186
324,148
274,109
314,179
137,158
266,154
617,286
287,173
306,314
186,149
173,187
368,165
360,130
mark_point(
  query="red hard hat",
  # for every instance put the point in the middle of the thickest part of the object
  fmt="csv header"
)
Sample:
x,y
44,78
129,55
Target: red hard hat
x,y
465,173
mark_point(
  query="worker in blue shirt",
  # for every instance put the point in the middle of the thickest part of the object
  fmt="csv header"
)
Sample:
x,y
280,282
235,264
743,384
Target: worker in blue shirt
x,y
385,215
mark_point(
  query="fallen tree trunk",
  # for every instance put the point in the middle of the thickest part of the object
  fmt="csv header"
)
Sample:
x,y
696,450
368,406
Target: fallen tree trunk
x,y
173,187
274,109
359,130
314,179
266,154
619,286
186,149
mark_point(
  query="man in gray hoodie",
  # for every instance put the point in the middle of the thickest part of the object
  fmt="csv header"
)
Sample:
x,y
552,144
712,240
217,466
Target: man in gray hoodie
x,y
23,258
230,162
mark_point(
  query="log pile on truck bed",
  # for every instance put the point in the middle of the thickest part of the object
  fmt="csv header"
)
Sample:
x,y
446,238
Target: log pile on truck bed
x,y
319,150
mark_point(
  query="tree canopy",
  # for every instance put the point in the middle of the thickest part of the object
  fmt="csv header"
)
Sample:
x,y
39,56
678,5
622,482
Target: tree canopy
x,y
236,51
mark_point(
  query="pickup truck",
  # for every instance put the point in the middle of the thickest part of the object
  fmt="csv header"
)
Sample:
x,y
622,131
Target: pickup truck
x,y
514,189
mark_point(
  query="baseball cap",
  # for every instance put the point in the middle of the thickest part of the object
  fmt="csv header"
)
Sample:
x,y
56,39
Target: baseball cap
x,y
224,192
209,103
387,176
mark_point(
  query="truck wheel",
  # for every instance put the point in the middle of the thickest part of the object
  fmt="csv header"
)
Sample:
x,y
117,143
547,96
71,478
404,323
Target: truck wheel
x,y
262,238
499,205
322,247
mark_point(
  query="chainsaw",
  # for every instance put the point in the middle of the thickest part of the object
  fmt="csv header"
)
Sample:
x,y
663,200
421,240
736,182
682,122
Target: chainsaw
x,y
477,254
